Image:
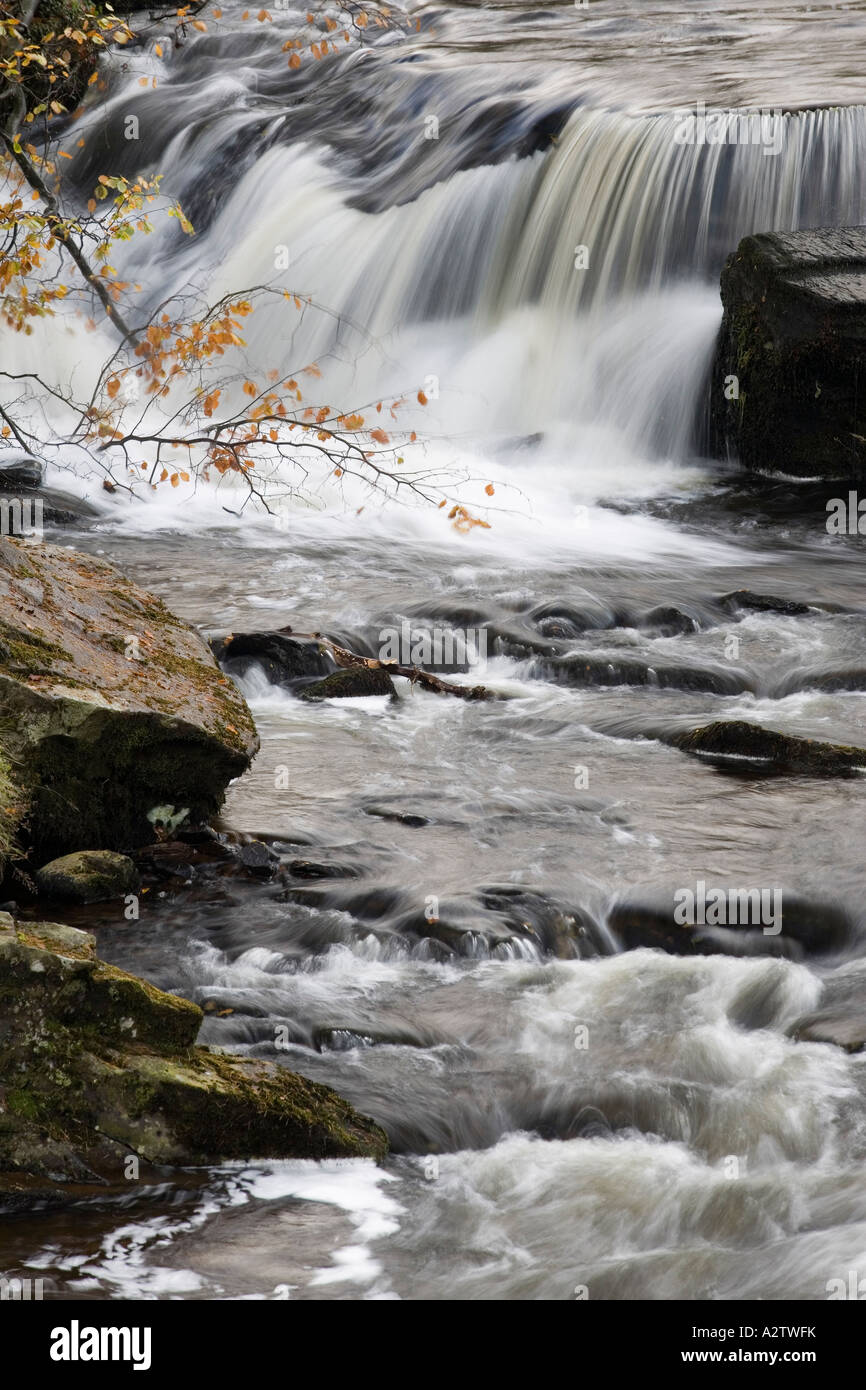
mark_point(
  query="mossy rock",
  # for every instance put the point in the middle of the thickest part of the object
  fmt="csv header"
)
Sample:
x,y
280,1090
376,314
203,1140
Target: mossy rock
x,y
110,707
351,683
96,1063
738,746
90,876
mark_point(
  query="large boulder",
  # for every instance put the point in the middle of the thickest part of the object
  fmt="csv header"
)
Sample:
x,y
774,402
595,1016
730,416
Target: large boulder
x,y
788,378
96,1065
113,713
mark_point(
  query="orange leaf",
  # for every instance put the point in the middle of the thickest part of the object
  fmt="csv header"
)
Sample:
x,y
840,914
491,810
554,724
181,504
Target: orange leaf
x,y
157,48
250,388
174,480
112,387
295,60
489,489
422,399
380,436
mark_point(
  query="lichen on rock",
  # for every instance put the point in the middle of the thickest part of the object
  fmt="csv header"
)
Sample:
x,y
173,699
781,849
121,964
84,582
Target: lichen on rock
x,y
110,706
96,1064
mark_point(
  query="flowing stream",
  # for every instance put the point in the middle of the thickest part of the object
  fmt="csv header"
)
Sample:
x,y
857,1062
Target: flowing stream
x,y
498,208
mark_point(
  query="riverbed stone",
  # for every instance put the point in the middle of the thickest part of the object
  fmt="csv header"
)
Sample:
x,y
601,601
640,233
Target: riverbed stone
x,y
89,876
738,746
96,1064
351,683
110,707
787,383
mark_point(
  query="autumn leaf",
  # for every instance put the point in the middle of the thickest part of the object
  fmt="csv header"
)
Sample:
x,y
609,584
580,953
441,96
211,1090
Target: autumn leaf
x,y
250,388
112,387
422,399
295,60
174,480
157,48
380,436
489,489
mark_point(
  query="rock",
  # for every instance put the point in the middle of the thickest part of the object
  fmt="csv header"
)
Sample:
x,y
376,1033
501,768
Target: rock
x,y
90,876
794,336
351,683
738,746
256,858
745,600
113,712
308,868
798,926
19,471
667,621
577,669
96,1064
849,1033
284,660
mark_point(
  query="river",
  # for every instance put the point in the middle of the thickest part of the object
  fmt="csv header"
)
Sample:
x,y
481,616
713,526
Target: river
x,y
496,207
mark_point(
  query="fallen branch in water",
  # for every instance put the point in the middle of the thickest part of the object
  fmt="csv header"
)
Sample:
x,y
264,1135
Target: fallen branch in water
x,y
344,658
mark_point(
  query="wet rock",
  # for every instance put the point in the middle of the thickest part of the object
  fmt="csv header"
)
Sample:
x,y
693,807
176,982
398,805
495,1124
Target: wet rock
x,y
840,678
744,600
96,1064
307,868
793,337
652,925
351,683
19,471
848,1033
782,923
579,670
565,933
667,621
112,710
90,876
256,858
285,660
737,746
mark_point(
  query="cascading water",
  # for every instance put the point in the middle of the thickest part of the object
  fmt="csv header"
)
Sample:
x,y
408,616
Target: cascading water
x,y
694,1148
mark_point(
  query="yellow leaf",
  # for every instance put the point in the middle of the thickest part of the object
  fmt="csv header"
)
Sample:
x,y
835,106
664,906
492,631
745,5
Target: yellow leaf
x,y
197,24
158,50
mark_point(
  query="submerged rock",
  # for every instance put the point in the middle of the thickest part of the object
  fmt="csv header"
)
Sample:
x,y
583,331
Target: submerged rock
x,y
284,660
738,746
90,876
348,684
96,1064
113,709
578,670
787,387
745,600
